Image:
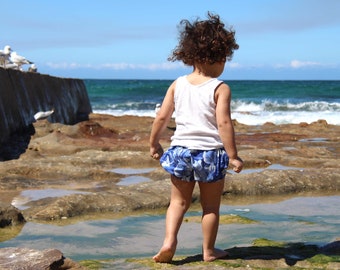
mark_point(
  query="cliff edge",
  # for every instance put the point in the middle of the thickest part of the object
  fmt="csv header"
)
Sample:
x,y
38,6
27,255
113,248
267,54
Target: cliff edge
x,y
23,94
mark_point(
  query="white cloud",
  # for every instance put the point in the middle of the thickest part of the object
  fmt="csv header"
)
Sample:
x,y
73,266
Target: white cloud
x,y
297,64
234,65
167,66
117,66
301,64
65,65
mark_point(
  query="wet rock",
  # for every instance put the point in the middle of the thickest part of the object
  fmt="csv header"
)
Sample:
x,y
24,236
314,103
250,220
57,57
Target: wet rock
x,y
10,216
24,258
147,196
82,156
156,194
276,182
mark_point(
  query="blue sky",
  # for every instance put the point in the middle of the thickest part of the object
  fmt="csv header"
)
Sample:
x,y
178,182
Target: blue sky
x,y
131,39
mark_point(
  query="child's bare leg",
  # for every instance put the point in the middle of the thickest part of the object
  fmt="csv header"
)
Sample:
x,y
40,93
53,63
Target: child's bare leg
x,y
181,194
210,200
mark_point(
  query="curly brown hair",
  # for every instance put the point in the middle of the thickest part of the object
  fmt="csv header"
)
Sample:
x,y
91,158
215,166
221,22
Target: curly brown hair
x,y
204,42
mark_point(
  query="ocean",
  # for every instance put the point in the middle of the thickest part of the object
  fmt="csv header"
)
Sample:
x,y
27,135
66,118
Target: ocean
x,y
253,102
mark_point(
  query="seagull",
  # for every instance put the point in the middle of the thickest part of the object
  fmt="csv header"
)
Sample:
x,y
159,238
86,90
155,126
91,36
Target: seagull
x,y
19,60
32,68
43,115
11,65
4,55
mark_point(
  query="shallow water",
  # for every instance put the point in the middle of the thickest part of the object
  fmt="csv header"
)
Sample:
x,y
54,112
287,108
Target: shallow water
x,y
37,194
314,140
314,220
270,167
133,177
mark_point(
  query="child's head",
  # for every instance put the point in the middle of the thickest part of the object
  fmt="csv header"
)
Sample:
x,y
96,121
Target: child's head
x,y
204,42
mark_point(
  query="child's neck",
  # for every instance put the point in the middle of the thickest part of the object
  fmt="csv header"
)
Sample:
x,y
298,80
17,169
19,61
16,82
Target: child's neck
x,y
196,77
209,70
202,72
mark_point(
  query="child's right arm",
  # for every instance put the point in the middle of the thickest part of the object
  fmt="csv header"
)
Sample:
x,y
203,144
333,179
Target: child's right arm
x,y
225,125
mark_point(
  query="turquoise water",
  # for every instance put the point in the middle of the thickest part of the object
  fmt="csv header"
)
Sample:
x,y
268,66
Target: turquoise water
x,y
314,220
253,102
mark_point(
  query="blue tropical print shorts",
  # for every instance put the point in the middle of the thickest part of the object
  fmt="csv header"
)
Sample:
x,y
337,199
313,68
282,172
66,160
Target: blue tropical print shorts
x,y
195,165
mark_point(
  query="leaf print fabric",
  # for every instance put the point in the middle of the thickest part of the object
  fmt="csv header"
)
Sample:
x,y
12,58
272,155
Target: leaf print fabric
x,y
195,165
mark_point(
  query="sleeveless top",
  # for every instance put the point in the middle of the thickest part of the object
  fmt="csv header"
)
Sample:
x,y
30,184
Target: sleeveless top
x,y
195,115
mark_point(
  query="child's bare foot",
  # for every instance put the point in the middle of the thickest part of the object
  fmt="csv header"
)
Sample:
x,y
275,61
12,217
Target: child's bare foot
x,y
214,255
164,255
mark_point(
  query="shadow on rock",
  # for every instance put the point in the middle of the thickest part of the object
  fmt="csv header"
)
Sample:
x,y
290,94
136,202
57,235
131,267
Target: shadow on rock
x,y
16,144
291,253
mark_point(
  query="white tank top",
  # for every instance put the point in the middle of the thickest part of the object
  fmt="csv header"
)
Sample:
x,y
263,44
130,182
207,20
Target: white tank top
x,y
195,111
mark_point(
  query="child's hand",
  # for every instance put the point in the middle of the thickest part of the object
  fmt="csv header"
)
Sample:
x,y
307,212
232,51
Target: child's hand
x,y
156,151
237,164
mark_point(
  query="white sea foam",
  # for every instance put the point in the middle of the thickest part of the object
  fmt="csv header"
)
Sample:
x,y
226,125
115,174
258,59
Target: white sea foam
x,y
254,117
251,112
291,117
149,113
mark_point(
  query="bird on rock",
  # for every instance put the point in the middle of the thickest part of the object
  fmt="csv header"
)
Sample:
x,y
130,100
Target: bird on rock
x,y
43,114
5,55
19,60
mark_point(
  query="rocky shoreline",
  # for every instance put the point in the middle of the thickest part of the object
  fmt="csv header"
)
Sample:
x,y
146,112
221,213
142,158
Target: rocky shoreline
x,y
280,160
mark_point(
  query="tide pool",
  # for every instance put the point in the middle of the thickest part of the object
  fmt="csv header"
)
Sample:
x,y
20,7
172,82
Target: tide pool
x,y
311,220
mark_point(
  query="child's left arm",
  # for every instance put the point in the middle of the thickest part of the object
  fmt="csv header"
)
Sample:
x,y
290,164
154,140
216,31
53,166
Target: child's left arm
x,y
161,121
